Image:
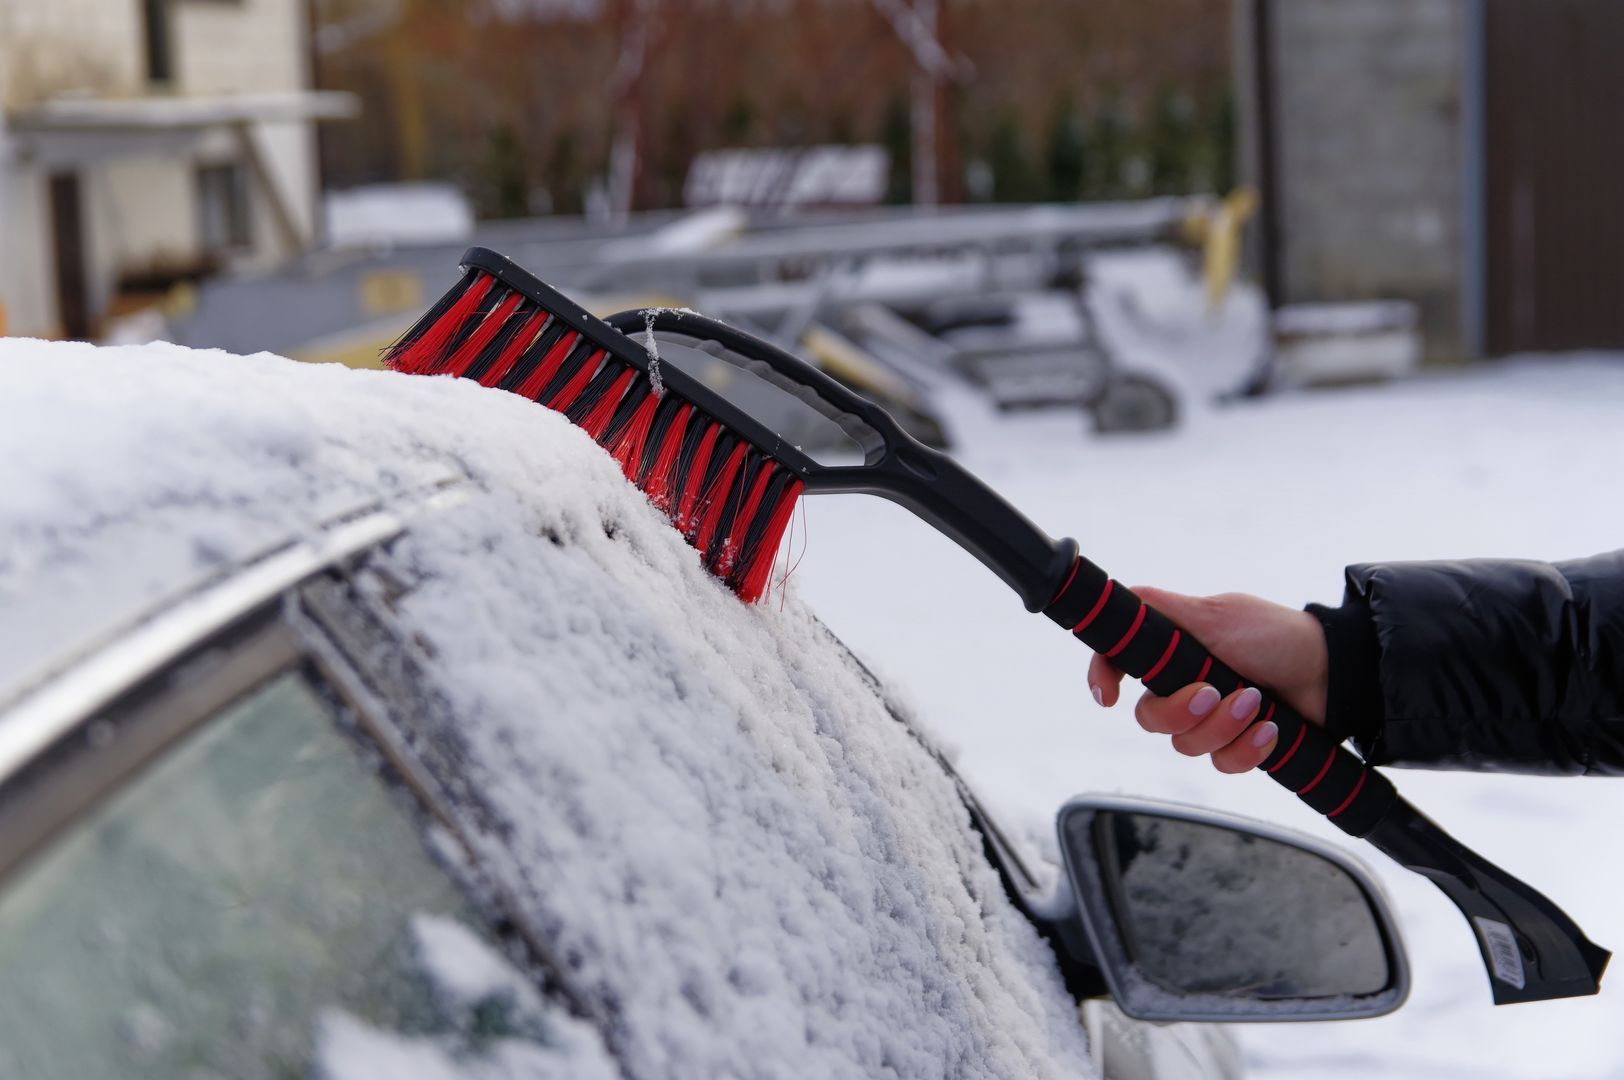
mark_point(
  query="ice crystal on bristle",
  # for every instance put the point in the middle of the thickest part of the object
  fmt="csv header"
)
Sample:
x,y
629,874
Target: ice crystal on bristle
x,y
652,347
656,384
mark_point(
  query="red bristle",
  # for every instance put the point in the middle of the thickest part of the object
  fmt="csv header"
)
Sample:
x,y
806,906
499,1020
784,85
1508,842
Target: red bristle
x,y
596,422
469,350
689,502
515,349
657,483
716,499
424,355
752,577
741,520
628,445
538,379
571,390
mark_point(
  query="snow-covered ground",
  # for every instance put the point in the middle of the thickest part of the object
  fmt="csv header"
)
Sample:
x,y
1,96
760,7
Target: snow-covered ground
x,y
1273,497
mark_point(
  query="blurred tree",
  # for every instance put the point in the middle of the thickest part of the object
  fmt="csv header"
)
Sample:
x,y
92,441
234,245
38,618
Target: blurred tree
x,y
1171,144
740,122
1013,178
896,135
504,188
1107,178
672,156
842,129
1066,152
1222,142
564,182
439,79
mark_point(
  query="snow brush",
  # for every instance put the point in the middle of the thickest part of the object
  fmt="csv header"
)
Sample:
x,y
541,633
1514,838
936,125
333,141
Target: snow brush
x,y
727,468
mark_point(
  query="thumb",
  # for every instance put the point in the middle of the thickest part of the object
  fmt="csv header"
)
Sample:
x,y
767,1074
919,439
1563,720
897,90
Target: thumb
x,y
1206,618
1196,614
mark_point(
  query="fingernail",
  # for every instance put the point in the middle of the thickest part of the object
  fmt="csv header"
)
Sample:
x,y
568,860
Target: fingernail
x,y
1246,704
1206,699
1264,735
1099,696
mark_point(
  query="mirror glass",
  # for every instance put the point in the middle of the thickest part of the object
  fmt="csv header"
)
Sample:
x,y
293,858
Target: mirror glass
x,y
798,416
1209,910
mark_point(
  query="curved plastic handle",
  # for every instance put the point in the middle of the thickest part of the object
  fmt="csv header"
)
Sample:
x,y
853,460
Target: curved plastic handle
x,y
1110,619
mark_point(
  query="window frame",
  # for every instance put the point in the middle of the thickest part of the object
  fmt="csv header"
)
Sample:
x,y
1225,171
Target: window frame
x,y
112,746
225,208
297,610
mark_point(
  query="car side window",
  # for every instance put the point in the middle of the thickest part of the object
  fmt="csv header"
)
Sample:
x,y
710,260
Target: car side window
x,y
257,903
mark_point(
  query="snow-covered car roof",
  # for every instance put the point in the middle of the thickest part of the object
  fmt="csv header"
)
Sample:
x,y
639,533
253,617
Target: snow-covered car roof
x,y
747,863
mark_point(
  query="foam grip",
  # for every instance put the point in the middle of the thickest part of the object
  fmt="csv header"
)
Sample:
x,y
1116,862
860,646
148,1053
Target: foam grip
x,y
1112,620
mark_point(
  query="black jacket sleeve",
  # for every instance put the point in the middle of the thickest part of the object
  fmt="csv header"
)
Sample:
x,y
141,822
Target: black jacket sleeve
x,y
1485,664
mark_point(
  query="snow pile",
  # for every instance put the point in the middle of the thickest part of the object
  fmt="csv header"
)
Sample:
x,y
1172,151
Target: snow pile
x,y
1151,307
475,985
745,863
386,214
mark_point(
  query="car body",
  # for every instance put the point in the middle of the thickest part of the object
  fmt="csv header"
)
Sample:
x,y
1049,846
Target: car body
x,y
354,724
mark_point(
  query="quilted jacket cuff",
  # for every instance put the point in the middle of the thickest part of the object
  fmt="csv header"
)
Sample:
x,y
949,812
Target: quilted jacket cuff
x,y
1353,707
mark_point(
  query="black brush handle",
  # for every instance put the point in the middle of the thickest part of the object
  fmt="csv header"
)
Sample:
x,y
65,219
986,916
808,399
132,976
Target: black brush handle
x,y
1112,620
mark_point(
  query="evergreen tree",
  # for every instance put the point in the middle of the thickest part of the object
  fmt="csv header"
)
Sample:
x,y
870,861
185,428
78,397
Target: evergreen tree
x,y
563,180
1222,127
1013,178
896,135
1171,148
1066,152
739,123
505,187
1109,160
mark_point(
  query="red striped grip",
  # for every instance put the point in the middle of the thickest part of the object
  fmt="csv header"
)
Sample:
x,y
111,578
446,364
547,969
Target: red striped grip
x,y
1110,619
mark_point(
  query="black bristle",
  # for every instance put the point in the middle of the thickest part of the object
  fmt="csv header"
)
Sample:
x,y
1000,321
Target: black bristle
x,y
629,402
725,442
757,526
592,395
434,314
554,352
503,340
691,439
664,416
488,303
734,498
583,353
538,350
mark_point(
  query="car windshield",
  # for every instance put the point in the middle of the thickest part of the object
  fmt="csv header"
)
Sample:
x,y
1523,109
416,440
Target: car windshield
x,y
257,904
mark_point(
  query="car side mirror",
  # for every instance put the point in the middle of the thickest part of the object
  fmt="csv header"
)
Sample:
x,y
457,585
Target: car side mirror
x,y
1193,915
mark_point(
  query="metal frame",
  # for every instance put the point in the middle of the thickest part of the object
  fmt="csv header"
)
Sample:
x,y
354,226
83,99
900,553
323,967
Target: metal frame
x,y
52,710
1111,956
104,749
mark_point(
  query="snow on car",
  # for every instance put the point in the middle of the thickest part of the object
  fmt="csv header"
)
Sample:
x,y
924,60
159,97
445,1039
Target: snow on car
x,y
737,859
354,724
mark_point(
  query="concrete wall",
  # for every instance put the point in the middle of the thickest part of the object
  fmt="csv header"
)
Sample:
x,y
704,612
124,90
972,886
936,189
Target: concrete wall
x,y
1367,155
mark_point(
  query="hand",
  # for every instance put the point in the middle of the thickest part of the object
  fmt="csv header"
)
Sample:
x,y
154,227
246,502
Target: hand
x,y
1282,648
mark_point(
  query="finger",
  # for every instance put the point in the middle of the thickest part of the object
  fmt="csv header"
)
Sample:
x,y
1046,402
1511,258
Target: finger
x,y
1178,712
1105,680
1222,726
1249,751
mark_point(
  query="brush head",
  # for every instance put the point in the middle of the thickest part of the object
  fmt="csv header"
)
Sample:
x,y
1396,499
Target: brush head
x,y
730,498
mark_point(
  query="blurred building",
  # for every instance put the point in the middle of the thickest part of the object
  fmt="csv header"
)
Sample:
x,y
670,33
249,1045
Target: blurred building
x,y
144,142
1463,155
